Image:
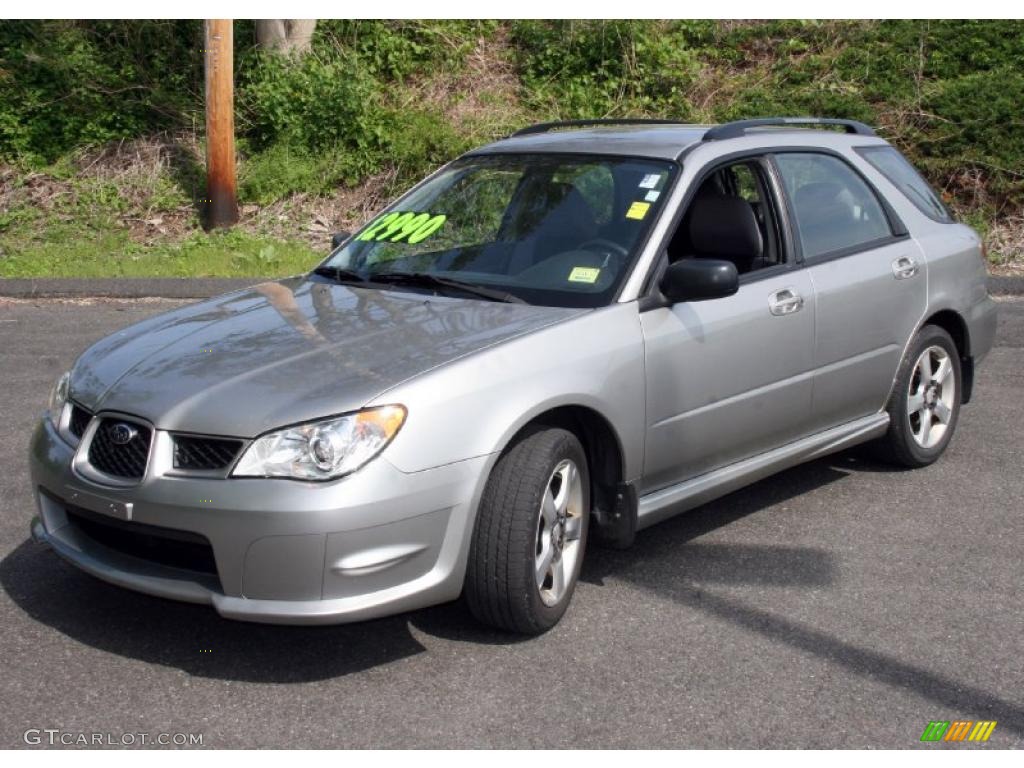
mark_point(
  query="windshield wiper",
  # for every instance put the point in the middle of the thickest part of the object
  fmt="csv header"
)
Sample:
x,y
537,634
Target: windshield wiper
x,y
339,274
427,280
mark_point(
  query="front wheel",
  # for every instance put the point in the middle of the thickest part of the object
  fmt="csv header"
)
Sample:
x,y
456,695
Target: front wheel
x,y
925,402
530,533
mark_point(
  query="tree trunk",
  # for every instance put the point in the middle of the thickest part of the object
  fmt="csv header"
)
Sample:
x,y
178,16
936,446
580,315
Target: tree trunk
x,y
289,36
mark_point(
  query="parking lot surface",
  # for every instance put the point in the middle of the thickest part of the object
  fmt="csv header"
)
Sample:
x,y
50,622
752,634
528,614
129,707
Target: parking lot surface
x,y
839,604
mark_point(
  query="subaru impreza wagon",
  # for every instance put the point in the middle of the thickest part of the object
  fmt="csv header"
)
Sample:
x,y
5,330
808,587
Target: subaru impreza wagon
x,y
571,333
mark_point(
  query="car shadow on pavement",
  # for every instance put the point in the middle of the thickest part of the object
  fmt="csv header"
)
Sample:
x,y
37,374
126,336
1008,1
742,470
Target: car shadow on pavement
x,y
665,560
669,546
671,565
193,638
667,549
197,640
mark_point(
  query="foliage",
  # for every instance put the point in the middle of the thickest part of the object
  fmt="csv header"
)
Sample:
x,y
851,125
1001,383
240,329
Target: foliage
x,y
311,103
395,50
604,68
64,84
377,100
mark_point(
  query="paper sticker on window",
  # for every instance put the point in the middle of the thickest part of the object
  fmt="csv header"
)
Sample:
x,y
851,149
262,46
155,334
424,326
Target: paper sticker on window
x,y
638,210
650,181
584,275
398,226
652,196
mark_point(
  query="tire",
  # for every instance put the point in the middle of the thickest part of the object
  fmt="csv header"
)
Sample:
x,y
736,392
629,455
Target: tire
x,y
524,521
917,408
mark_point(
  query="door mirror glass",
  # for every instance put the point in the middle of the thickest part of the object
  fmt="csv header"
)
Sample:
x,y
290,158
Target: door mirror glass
x,y
699,280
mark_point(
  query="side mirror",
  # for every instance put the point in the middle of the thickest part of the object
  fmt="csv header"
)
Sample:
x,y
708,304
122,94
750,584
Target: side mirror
x,y
338,238
699,280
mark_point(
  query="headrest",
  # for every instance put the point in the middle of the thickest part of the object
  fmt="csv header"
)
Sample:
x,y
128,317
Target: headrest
x,y
724,226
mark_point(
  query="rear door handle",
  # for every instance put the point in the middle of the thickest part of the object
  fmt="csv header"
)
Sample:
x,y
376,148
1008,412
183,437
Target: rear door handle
x,y
904,267
785,302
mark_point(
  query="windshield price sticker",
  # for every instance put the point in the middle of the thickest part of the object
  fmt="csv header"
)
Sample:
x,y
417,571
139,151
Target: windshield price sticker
x,y
584,274
398,226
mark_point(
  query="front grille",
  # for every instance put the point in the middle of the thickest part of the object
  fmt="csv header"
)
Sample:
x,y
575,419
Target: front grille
x,y
164,546
80,419
126,460
204,452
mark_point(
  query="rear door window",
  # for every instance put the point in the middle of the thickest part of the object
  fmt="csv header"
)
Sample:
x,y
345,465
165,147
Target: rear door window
x,y
835,208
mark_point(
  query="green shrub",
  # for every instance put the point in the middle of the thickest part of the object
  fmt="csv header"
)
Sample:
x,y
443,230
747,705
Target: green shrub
x,y
577,69
394,50
65,84
309,103
281,170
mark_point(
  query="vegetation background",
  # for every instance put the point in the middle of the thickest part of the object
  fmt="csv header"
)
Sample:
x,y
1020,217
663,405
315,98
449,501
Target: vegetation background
x,y
101,122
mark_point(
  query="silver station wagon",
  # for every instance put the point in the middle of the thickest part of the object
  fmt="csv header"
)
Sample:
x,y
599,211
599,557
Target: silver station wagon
x,y
569,334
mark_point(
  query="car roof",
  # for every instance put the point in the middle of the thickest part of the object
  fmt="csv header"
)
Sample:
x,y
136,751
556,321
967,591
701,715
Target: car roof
x,y
668,141
665,142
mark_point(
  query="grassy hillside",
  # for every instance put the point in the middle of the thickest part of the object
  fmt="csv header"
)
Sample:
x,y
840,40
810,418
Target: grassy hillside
x,y
101,122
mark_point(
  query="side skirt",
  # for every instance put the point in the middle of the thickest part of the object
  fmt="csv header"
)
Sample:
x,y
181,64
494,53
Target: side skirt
x,y
667,502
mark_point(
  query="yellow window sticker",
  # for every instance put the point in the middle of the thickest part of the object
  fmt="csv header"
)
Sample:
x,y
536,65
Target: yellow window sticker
x,y
638,210
584,275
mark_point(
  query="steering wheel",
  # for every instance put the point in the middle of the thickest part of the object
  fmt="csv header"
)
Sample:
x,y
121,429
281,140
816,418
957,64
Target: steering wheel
x,y
608,245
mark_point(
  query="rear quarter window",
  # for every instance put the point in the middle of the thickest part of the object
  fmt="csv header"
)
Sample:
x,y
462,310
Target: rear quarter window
x,y
898,170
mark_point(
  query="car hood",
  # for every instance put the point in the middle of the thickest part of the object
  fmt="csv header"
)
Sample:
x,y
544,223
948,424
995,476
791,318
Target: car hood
x,y
287,351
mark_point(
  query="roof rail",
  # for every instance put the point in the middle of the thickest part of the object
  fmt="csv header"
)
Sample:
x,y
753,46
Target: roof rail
x,y
739,128
545,127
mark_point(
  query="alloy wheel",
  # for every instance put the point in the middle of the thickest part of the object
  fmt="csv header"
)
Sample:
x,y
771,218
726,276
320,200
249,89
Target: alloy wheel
x,y
932,396
559,528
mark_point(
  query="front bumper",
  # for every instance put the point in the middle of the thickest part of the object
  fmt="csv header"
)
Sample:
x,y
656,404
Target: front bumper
x,y
375,543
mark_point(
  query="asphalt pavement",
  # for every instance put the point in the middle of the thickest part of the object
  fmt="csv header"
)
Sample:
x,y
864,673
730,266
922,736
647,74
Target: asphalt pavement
x,y
838,604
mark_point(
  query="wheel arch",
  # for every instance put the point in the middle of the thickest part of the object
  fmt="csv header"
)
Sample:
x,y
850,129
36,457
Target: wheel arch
x,y
613,499
953,323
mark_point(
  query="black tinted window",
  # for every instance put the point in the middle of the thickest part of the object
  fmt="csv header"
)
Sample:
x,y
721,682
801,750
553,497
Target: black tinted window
x,y
897,169
834,207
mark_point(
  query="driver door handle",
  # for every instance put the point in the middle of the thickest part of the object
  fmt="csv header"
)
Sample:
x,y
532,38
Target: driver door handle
x,y
904,267
785,302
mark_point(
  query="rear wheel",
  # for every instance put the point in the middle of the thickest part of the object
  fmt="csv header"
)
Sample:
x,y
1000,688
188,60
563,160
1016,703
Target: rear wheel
x,y
925,402
530,533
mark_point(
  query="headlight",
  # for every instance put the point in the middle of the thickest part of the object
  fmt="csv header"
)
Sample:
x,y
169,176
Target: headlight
x,y
322,450
58,397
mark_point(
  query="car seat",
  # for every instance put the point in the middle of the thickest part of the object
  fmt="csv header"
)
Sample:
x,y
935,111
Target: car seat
x,y
550,219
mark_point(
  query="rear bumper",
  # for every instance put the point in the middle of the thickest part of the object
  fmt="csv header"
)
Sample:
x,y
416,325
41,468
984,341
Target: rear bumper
x,y
982,319
375,543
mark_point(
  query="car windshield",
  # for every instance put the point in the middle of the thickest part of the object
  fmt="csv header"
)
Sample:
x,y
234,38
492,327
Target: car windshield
x,y
555,230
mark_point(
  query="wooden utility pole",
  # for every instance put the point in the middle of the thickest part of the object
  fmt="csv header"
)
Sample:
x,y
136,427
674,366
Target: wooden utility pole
x,y
221,188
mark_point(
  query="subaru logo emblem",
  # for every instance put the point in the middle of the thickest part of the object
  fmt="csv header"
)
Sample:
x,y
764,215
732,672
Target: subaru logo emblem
x,y
122,434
